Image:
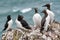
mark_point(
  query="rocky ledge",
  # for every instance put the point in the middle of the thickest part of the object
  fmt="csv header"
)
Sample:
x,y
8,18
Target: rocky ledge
x,y
19,34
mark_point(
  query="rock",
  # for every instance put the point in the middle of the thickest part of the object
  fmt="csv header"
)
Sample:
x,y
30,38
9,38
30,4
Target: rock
x,y
19,34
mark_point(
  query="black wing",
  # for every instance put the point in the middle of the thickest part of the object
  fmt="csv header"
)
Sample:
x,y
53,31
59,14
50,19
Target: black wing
x,y
25,24
42,24
5,27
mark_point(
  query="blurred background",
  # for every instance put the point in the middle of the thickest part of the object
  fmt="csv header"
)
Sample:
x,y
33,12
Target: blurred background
x,y
14,7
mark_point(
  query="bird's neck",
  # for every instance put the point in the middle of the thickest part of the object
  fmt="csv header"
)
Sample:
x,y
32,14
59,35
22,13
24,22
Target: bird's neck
x,y
36,11
19,19
8,20
48,8
46,14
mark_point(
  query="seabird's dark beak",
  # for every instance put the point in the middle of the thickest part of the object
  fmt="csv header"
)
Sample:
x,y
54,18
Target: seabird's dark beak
x,y
44,6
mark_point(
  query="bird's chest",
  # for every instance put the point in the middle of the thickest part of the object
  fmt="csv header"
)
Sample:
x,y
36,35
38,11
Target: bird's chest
x,y
36,18
10,23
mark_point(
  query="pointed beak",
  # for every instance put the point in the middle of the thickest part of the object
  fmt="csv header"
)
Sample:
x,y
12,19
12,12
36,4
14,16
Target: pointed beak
x,y
44,6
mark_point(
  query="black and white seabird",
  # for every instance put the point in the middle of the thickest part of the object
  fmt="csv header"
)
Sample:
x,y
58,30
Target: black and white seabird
x,y
50,13
8,24
21,23
37,18
45,21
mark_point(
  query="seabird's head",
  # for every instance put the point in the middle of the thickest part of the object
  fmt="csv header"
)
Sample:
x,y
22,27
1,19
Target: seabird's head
x,y
47,5
9,17
44,11
20,17
35,10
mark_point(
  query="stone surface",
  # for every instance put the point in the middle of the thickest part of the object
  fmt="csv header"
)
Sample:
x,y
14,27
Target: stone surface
x,y
52,34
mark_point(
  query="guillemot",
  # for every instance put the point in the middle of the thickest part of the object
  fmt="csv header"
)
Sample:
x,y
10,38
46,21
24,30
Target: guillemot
x,y
21,23
45,21
50,13
37,18
8,23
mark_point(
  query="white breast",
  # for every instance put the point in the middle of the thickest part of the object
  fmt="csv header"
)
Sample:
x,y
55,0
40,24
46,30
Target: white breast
x,y
51,14
37,19
46,23
9,24
18,23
